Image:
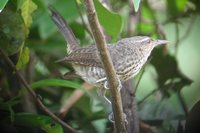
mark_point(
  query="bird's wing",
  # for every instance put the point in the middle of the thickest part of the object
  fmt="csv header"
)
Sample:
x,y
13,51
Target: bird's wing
x,y
85,56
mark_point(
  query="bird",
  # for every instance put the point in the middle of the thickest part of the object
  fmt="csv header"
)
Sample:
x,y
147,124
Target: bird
x,y
128,55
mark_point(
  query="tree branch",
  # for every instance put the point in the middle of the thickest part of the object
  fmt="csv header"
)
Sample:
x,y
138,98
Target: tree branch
x,y
108,66
83,22
34,95
130,107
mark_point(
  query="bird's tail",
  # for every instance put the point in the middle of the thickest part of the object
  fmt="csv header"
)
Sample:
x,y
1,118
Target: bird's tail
x,y
64,29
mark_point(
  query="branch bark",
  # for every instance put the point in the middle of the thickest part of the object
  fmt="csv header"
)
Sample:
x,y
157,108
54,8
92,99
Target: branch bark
x,y
130,107
108,66
34,95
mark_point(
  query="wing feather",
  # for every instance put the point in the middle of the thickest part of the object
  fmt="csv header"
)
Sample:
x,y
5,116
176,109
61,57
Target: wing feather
x,y
85,56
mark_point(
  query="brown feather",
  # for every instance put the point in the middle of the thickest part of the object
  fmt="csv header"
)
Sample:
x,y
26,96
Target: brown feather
x,y
85,56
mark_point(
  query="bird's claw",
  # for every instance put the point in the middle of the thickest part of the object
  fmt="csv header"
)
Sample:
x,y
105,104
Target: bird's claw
x,y
111,118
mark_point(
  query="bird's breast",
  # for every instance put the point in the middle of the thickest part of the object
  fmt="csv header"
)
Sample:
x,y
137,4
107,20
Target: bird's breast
x,y
129,66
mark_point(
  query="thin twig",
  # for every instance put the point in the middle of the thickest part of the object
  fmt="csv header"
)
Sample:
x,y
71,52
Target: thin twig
x,y
140,77
34,95
190,25
81,15
182,38
130,23
177,38
152,92
108,66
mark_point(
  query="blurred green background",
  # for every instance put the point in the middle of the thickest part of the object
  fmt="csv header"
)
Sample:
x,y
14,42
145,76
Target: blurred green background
x,y
32,41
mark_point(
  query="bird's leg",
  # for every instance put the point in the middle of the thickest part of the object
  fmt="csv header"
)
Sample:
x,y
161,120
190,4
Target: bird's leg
x,y
101,80
102,91
107,99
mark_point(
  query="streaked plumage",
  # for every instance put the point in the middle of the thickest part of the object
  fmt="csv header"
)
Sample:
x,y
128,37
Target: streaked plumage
x,y
128,55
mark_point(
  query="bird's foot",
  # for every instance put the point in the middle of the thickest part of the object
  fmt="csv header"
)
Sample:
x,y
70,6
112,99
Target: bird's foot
x,y
106,85
111,118
119,84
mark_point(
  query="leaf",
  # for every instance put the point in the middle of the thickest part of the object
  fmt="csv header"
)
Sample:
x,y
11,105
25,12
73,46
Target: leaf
x,y
181,5
167,69
46,27
12,29
193,119
3,4
23,58
145,28
53,82
136,4
27,7
78,29
112,22
56,82
6,105
176,7
37,121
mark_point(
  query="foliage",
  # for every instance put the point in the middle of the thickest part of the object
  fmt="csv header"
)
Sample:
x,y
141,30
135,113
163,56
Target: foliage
x,y
32,42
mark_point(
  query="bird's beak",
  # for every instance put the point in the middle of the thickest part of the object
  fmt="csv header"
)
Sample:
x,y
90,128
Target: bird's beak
x,y
159,42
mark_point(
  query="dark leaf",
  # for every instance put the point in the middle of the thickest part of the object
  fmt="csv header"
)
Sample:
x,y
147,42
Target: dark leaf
x,y
12,29
168,71
193,120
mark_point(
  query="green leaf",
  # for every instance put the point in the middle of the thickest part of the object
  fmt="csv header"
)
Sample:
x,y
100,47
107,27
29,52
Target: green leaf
x,y
56,82
6,105
145,28
42,19
38,121
27,8
136,4
12,29
53,82
78,30
23,58
147,12
2,4
112,22
176,7
181,5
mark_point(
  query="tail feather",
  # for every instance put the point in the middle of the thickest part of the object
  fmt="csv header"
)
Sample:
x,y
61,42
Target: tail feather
x,y
64,29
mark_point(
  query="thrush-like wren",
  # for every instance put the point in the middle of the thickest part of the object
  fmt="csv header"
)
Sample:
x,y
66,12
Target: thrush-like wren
x,y
128,55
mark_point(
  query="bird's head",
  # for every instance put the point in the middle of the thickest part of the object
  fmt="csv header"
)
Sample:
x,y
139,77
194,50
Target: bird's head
x,y
143,43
